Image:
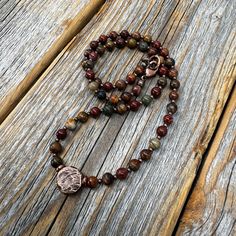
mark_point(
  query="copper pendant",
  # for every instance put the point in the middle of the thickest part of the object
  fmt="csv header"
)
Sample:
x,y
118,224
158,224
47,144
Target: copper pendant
x,y
69,180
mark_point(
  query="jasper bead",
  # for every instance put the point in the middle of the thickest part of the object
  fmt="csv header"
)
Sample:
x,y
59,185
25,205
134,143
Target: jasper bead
x,y
95,112
132,43
55,147
101,94
114,99
103,39
100,50
131,78
152,51
156,92
108,110
169,62
87,64
70,124
164,52
94,44
136,36
110,45
154,143
146,154
136,90
126,97
173,73
120,42
162,131
162,70
173,95
90,75
146,100
87,52
108,178
121,108
108,86
162,81
168,119
93,86
147,38
61,134
93,56
122,173
174,84
134,164
143,46
120,84
156,44
83,116
56,162
134,105
124,34
92,181
172,107
139,70
113,35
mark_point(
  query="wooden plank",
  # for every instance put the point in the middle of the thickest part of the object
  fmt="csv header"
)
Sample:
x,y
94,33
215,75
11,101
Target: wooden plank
x,y
200,36
211,207
32,35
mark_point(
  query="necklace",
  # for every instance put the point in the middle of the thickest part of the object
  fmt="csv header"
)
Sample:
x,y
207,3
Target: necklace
x,y
117,99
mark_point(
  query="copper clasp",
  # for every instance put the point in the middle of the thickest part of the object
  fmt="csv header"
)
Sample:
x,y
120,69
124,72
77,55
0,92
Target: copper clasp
x,y
153,65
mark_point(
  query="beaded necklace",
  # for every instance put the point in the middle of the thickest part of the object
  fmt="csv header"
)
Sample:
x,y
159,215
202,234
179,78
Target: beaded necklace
x,y
157,62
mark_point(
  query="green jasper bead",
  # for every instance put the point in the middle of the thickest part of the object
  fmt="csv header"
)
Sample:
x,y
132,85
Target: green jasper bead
x,y
154,143
108,110
132,43
146,100
143,46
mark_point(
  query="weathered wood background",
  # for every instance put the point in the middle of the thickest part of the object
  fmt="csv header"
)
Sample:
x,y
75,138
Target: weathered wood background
x,y
188,188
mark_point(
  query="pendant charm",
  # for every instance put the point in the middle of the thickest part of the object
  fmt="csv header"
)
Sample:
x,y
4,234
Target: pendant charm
x,y
153,66
69,180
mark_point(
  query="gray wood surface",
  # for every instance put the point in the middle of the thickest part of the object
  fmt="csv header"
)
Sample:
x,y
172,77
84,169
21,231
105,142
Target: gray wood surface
x,y
201,36
211,208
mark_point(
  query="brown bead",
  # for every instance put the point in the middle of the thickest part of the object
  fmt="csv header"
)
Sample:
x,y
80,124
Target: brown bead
x,y
164,52
173,73
136,90
108,178
139,70
147,38
120,42
113,35
131,78
162,131
122,173
94,44
56,162
126,97
162,70
61,134
134,164
136,36
168,119
173,95
95,112
146,154
162,81
156,92
87,52
134,105
108,86
101,50
169,62
172,107
156,44
103,39
83,116
93,56
120,84
114,99
152,51
70,124
90,74
124,34
174,84
92,181
121,108
55,147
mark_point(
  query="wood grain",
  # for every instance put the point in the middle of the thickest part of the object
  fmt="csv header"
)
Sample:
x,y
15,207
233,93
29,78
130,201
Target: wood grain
x,y
211,207
200,35
32,35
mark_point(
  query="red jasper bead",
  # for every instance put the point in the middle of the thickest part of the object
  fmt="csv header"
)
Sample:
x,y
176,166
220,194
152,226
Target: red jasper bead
x,y
90,74
173,73
108,86
134,105
120,42
156,92
136,90
113,35
95,112
94,44
152,51
131,78
103,39
156,44
173,95
93,56
164,52
162,131
126,97
124,34
61,134
122,173
168,119
162,70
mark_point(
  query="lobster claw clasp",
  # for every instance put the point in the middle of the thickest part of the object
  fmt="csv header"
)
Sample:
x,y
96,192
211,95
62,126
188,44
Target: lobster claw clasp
x,y
153,66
